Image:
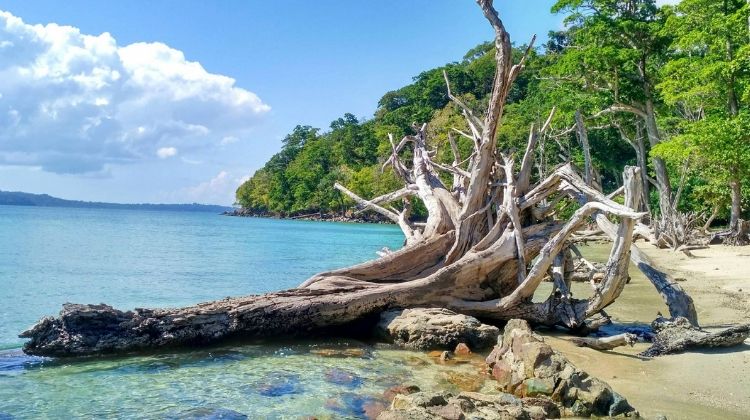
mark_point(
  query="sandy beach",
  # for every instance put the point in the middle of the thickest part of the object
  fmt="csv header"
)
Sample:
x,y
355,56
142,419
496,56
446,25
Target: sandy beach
x,y
697,385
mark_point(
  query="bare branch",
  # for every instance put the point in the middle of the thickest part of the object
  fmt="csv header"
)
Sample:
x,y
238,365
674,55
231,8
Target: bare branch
x,y
616,192
454,150
616,271
503,80
618,107
451,169
511,208
367,204
516,69
409,190
548,122
524,175
398,167
583,137
606,343
553,247
474,122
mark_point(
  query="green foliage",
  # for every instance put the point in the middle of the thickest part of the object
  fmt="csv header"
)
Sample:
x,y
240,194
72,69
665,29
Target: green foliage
x,y
683,61
718,149
616,47
708,58
707,79
300,177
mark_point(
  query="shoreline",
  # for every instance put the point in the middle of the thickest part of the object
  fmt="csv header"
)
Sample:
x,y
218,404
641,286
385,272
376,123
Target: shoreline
x,y
705,384
712,383
362,218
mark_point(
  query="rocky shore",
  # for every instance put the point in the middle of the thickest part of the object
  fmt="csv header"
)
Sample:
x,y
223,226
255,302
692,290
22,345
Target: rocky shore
x,y
346,217
434,329
530,380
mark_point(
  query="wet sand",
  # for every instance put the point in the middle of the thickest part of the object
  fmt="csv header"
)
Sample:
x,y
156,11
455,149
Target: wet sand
x,y
699,385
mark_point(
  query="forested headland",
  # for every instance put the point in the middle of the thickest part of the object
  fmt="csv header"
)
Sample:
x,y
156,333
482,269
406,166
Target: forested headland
x,y
15,198
665,88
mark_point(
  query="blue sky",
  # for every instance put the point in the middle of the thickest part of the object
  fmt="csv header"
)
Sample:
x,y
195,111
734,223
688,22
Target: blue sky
x,y
177,101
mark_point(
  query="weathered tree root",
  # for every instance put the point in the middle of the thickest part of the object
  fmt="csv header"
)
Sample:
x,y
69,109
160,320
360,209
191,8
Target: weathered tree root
x,y
679,335
738,236
680,304
487,244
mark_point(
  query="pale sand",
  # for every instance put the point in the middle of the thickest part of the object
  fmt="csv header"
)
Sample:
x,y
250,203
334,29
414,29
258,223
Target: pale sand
x,y
697,385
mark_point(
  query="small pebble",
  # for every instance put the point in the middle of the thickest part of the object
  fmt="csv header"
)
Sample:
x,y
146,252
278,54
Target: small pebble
x,y
446,355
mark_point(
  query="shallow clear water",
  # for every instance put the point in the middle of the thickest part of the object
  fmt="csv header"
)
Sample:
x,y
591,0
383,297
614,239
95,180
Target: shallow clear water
x,y
49,256
131,258
241,381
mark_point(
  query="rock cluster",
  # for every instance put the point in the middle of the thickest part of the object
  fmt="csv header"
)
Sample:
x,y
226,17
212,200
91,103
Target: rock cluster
x,y
435,328
526,366
424,405
535,382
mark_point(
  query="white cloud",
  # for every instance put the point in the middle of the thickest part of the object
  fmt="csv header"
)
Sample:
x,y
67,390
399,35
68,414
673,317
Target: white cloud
x,y
76,103
191,161
166,152
218,190
663,2
229,140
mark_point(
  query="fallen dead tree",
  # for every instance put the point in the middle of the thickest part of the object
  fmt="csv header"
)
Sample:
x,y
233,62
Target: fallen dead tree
x,y
679,335
487,244
671,336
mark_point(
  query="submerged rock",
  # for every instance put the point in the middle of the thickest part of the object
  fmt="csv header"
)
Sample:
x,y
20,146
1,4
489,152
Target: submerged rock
x,y
342,377
391,392
464,381
277,385
346,352
462,350
434,328
355,405
416,361
205,413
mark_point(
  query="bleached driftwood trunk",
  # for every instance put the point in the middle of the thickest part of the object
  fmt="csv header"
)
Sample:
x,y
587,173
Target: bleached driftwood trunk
x,y
606,343
486,246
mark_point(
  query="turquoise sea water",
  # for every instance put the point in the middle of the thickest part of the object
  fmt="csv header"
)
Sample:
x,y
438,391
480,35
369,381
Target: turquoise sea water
x,y
127,258
49,256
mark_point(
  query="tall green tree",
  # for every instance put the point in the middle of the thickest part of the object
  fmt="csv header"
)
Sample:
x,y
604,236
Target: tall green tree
x,y
707,79
614,51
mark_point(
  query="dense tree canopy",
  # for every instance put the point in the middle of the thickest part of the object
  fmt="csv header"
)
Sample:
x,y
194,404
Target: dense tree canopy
x,y
667,89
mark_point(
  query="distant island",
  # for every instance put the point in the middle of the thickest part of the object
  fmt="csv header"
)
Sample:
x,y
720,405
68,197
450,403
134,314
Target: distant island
x,y
14,198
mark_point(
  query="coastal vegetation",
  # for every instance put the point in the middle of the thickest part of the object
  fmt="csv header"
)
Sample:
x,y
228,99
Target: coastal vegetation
x,y
666,89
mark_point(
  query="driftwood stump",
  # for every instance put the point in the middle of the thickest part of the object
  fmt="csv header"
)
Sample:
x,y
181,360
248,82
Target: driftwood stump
x,y
606,343
679,335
